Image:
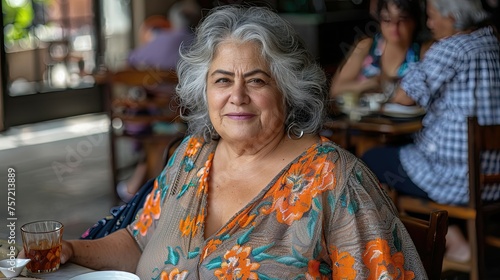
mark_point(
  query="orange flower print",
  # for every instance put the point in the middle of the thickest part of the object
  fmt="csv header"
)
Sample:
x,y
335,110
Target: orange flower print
x,y
150,211
190,226
379,261
210,247
193,146
203,175
292,196
313,269
175,274
342,265
237,265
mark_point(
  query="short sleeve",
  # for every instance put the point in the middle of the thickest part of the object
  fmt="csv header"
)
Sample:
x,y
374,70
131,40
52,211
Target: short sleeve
x,y
366,239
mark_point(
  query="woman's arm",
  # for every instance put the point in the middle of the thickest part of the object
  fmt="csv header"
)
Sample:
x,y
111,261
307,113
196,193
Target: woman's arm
x,y
117,251
346,79
402,98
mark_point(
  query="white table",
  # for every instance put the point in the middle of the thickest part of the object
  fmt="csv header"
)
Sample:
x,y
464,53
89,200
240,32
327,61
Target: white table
x,y
65,272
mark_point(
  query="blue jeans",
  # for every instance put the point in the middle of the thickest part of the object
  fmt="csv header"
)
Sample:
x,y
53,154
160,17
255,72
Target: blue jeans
x,y
385,163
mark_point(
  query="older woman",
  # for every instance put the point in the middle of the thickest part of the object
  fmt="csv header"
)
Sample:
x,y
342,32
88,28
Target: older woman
x,y
378,61
254,192
459,77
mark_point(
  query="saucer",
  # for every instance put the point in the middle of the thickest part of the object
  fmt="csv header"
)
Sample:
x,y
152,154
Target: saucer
x,y
12,268
107,274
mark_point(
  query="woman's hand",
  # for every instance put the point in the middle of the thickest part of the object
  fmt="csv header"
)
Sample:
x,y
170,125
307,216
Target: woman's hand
x,y
67,251
373,84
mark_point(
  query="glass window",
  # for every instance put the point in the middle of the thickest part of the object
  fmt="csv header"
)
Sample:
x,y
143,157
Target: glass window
x,y
49,45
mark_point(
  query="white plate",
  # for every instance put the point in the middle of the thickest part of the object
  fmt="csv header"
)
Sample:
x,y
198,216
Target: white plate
x,y
402,111
110,274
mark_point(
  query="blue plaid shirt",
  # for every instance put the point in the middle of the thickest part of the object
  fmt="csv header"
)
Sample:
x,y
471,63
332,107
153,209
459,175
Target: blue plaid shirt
x,y
444,83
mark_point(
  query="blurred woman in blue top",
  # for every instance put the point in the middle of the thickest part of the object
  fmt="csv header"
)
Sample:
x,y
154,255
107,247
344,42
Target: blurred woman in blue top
x,y
387,55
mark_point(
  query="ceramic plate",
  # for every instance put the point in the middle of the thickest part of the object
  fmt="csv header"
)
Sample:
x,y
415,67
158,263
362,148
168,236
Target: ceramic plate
x,y
401,111
103,275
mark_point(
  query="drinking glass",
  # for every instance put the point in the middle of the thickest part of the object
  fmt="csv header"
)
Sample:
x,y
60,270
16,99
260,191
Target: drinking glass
x,y
42,242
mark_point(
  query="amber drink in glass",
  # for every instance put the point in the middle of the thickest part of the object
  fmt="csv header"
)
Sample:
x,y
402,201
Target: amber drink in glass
x,y
42,242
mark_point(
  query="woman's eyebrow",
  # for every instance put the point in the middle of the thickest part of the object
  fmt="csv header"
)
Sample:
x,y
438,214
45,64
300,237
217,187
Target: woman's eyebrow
x,y
250,73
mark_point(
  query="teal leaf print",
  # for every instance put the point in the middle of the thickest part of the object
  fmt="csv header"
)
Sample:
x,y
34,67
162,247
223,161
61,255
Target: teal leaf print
x,y
359,176
173,256
259,250
291,261
331,200
325,150
318,203
299,257
311,225
164,190
265,277
172,158
263,256
287,260
343,200
194,254
188,164
185,187
215,263
352,207
317,250
324,269
397,240
244,237
225,237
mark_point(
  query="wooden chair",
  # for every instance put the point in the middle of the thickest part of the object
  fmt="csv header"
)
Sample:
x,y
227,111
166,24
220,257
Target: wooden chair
x,y
154,92
429,238
480,138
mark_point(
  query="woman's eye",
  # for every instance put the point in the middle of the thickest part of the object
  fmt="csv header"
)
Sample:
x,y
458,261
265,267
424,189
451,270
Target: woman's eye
x,y
221,80
386,19
257,81
403,19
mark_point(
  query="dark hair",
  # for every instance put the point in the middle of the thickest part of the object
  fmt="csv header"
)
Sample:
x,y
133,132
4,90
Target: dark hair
x,y
414,8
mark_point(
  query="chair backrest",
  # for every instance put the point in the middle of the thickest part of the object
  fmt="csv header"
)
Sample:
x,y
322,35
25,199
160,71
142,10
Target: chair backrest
x,y
145,78
170,148
483,140
429,238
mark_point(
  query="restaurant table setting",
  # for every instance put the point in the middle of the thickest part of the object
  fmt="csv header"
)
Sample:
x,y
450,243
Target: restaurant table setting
x,y
42,245
360,121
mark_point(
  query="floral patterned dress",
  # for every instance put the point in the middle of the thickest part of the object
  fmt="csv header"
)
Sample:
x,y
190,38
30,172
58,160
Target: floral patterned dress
x,y
324,216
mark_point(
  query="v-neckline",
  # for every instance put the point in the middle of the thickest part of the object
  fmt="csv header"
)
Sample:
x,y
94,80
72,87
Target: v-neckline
x,y
251,202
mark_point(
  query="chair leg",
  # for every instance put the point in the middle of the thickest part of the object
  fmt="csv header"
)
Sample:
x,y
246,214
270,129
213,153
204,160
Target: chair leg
x,y
474,262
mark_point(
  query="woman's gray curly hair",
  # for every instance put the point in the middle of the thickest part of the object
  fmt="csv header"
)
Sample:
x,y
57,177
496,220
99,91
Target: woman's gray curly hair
x,y
297,75
467,13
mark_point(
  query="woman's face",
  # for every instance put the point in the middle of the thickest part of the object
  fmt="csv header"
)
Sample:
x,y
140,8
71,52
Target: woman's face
x,y
396,26
440,26
244,102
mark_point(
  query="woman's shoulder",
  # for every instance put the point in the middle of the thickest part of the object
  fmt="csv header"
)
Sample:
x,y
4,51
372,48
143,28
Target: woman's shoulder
x,y
425,46
339,155
363,46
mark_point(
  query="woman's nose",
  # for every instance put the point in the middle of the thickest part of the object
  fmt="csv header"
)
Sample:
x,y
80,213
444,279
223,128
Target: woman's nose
x,y
239,94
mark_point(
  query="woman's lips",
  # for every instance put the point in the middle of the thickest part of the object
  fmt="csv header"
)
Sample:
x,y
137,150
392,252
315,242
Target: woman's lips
x,y
240,116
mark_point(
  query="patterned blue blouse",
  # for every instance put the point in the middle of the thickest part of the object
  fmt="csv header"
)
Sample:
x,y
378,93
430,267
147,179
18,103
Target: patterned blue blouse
x,y
371,64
